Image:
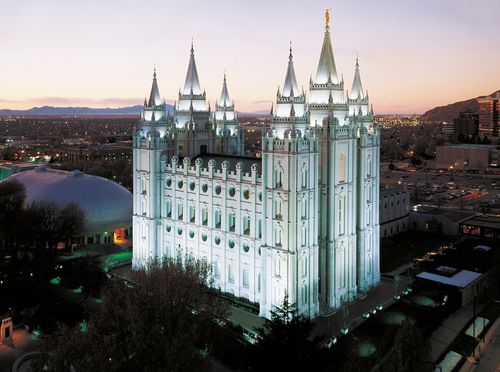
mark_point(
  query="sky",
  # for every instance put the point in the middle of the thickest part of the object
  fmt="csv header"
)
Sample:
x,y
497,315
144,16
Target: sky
x,y
413,54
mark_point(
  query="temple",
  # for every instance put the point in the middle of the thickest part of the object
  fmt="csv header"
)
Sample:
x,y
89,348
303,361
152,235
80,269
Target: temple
x,y
302,220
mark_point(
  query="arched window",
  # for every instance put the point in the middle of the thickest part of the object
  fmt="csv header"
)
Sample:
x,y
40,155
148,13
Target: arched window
x,y
217,268
168,208
278,208
278,177
303,236
304,266
304,177
143,206
217,219
245,278
277,266
180,211
246,224
341,215
303,208
369,166
304,294
278,235
260,228
192,213
231,217
204,216
342,167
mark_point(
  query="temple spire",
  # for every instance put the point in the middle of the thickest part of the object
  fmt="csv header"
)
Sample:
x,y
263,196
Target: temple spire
x,y
357,88
154,96
290,86
326,66
225,101
192,83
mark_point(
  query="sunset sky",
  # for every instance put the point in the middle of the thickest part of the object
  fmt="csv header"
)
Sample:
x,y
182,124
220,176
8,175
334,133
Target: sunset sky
x,y
413,54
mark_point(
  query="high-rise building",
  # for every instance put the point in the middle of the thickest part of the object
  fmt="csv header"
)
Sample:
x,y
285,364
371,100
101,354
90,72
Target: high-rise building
x,y
467,124
301,220
489,115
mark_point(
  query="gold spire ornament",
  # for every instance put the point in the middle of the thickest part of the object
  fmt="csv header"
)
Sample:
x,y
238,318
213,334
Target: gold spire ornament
x,y
327,19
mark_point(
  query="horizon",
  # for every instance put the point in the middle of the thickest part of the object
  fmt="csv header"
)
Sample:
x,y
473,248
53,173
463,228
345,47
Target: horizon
x,y
104,57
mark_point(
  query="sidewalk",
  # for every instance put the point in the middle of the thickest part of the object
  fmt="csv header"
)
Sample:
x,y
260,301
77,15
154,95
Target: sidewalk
x,y
443,336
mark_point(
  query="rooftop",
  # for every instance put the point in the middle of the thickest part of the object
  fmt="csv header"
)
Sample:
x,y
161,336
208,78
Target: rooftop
x,y
461,279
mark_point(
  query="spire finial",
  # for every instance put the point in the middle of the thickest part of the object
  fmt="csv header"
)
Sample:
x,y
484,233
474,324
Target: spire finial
x,y
357,60
192,48
154,70
224,75
327,19
291,56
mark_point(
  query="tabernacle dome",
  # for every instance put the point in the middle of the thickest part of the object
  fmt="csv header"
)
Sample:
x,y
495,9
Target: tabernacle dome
x,y
107,205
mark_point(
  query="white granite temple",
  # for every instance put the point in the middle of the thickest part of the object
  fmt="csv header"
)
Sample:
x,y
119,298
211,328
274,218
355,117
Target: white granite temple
x,y
303,219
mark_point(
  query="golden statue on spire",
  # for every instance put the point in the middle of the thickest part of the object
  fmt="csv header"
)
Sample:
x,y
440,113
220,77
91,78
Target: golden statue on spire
x,y
327,18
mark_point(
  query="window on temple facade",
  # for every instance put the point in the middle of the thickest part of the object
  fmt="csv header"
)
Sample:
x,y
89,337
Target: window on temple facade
x,y
342,167
278,177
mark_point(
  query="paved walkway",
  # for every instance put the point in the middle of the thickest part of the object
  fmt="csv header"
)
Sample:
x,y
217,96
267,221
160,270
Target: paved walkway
x,y
489,357
443,336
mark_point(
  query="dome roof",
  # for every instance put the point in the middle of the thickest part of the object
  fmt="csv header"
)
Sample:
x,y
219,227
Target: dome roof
x,y
106,204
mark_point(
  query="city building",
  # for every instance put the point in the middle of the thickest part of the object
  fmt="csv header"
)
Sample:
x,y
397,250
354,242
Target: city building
x,y
301,220
107,205
440,221
467,124
84,153
489,115
485,227
394,212
467,156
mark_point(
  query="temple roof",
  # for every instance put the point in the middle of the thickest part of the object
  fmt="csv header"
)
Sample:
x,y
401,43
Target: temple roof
x,y
154,96
357,89
290,85
326,67
192,83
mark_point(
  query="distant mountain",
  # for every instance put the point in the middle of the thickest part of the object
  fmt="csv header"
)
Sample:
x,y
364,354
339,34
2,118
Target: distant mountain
x,y
76,111
451,111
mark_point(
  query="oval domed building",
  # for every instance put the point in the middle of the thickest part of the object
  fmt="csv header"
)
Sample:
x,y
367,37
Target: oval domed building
x,y
107,205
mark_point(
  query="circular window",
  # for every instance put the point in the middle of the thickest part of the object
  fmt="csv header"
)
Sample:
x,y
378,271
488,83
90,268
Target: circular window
x,y
231,243
260,196
246,194
180,184
191,185
204,187
218,189
191,234
179,230
169,228
246,248
232,191
217,240
204,237
169,182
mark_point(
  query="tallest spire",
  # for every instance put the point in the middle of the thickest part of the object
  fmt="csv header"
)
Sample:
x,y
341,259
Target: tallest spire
x,y
326,66
192,84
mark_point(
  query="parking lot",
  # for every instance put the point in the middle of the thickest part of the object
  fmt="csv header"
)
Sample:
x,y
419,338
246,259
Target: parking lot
x,y
448,189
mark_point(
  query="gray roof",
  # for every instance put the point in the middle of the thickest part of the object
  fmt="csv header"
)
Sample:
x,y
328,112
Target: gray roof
x,y
107,205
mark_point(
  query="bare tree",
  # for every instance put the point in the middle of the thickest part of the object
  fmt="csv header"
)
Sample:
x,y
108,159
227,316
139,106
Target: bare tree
x,y
163,320
12,197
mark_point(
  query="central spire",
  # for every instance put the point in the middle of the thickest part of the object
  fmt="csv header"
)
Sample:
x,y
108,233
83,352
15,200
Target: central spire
x,y
326,67
154,96
290,87
192,84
